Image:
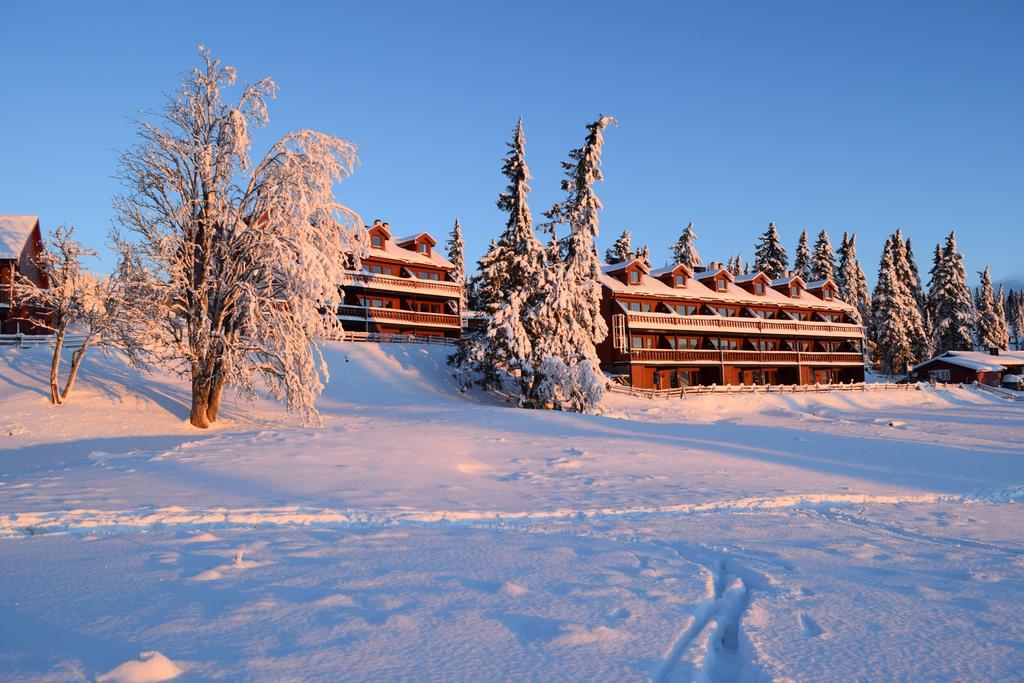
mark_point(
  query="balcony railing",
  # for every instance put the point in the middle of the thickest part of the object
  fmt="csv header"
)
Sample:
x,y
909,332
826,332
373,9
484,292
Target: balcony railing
x,y
400,284
704,323
395,315
711,357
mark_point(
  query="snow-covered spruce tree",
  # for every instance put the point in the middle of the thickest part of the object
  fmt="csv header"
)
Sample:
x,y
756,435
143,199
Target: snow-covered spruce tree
x,y
950,302
890,302
474,295
1002,327
802,262
734,265
1018,320
1015,317
685,248
823,261
643,255
244,256
455,250
506,286
567,317
920,340
769,255
850,278
621,251
987,325
101,309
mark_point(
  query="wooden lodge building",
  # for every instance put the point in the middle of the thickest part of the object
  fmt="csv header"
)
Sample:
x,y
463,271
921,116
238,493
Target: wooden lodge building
x,y
674,327
20,244
403,287
964,367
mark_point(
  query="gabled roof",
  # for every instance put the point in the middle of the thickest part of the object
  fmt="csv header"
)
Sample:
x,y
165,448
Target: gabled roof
x,y
414,237
672,269
714,273
818,284
750,277
789,279
616,267
979,360
14,233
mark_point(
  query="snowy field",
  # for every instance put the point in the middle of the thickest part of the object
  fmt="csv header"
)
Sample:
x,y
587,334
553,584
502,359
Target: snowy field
x,y
423,534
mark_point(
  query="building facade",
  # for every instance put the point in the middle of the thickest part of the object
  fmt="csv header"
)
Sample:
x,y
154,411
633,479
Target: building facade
x,y
673,327
21,242
403,287
964,367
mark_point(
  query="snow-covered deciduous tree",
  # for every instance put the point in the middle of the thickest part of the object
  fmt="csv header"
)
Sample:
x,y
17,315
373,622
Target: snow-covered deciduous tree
x,y
990,330
643,255
949,300
850,278
104,311
568,316
802,261
769,255
505,287
823,263
244,256
455,250
621,251
685,248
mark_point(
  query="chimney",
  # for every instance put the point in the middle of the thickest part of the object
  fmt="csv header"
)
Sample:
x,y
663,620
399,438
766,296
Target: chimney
x,y
376,223
387,225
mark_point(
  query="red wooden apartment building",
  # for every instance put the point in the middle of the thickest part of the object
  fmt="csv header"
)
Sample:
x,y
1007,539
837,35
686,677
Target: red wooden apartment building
x,y
20,244
673,327
403,287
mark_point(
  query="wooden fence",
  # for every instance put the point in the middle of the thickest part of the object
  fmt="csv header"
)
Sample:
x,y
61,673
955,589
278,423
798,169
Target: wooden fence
x,y
31,341
682,392
382,338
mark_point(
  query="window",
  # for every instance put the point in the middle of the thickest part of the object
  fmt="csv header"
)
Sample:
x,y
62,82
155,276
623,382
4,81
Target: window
x,y
378,241
680,280
766,344
800,315
634,277
724,343
640,342
424,248
725,311
941,375
685,309
720,284
379,270
640,306
376,303
428,307
427,275
800,345
759,288
826,294
761,313
830,345
794,291
684,342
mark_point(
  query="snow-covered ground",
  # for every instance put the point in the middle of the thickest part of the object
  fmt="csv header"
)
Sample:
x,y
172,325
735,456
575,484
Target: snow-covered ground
x,y
427,534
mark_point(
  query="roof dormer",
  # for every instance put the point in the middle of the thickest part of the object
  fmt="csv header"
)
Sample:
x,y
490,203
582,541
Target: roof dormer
x,y
630,272
674,276
755,283
380,233
791,285
826,289
716,278
421,243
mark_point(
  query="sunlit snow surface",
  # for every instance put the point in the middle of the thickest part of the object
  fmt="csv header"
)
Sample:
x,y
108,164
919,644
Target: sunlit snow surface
x,y
423,534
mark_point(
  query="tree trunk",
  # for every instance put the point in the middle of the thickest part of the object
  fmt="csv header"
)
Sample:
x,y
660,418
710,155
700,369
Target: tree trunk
x,y
213,404
200,402
76,360
58,346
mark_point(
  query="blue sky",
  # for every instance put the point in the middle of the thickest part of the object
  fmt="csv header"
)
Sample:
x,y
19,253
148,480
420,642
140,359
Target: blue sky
x,y
847,116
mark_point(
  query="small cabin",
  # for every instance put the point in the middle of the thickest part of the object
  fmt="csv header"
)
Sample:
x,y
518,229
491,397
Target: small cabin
x,y
21,243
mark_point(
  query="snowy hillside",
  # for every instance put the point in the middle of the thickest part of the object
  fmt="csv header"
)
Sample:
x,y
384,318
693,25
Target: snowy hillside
x,y
423,533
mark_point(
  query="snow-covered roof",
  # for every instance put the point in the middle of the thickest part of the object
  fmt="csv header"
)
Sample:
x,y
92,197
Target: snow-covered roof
x,y
749,277
622,265
413,237
782,281
392,251
979,361
695,289
818,284
665,270
14,232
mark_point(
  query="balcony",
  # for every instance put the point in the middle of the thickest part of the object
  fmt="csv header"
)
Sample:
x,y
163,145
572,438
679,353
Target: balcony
x,y
396,316
390,283
710,357
711,323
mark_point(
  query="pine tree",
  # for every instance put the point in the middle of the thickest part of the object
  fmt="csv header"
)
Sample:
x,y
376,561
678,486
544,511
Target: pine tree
x,y
643,255
567,316
735,264
823,263
505,288
1018,320
685,249
949,300
986,323
891,300
770,256
1002,332
455,251
921,342
621,251
850,278
802,263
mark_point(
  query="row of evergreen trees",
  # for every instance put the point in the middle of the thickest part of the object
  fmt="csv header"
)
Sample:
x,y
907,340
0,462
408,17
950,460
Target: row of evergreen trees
x,y
542,303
